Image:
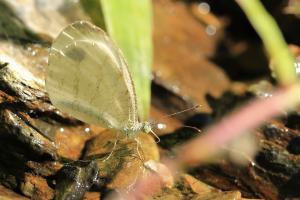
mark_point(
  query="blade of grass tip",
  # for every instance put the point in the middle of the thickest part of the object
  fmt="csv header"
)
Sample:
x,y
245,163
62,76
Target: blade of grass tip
x,y
129,23
94,10
273,40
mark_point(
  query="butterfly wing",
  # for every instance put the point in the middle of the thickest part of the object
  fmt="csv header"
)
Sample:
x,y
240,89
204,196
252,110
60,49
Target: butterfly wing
x,y
88,78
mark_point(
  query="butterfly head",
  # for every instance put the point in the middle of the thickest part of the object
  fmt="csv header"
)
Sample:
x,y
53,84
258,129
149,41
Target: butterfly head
x,y
148,127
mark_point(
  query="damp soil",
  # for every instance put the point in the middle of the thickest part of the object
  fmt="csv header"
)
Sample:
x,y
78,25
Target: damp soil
x,y
47,154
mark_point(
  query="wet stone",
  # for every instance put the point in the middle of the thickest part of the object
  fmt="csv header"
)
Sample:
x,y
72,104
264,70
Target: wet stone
x,y
74,179
121,164
15,78
30,134
37,20
92,196
45,169
7,194
36,187
188,187
26,114
277,160
15,132
278,133
70,140
13,28
272,173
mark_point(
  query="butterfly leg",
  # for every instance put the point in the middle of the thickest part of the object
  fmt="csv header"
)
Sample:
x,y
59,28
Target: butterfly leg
x,y
113,148
138,144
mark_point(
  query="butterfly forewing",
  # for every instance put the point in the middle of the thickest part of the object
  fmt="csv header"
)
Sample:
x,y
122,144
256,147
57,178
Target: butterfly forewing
x,y
88,78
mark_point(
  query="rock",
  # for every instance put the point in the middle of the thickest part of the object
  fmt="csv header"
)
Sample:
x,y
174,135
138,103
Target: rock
x,y
74,179
16,133
272,174
162,171
92,196
121,165
36,187
45,169
30,127
7,194
35,20
188,187
12,28
182,48
196,185
70,141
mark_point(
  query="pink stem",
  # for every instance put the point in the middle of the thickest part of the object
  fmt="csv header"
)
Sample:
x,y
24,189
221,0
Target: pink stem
x,y
239,122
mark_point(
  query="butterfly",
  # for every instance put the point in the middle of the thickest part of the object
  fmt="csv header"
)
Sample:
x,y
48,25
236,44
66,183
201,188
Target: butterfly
x,y
87,77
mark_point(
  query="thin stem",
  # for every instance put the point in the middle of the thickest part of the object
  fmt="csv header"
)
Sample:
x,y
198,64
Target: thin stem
x,y
273,40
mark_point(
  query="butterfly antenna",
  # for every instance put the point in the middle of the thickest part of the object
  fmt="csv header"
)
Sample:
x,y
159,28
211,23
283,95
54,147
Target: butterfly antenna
x,y
188,109
194,128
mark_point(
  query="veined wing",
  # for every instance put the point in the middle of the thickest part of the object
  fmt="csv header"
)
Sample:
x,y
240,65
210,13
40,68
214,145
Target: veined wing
x,y
88,78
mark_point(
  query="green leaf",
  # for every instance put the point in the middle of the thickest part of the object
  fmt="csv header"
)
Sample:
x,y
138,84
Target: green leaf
x,y
129,23
94,10
273,40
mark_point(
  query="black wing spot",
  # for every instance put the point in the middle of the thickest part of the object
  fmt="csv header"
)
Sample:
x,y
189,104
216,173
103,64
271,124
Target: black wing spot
x,y
77,54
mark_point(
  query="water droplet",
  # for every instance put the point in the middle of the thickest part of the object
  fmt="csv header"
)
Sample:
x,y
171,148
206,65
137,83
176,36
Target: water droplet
x,y
33,53
57,112
263,89
204,8
210,30
61,129
161,126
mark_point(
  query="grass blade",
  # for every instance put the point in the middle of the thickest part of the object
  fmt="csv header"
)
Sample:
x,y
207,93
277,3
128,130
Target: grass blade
x,y
129,23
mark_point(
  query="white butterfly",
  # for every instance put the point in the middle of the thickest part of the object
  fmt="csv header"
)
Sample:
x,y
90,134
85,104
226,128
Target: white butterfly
x,y
88,78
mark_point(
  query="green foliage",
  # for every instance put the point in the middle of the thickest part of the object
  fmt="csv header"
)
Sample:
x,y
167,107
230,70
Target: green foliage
x,y
273,40
94,10
129,23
